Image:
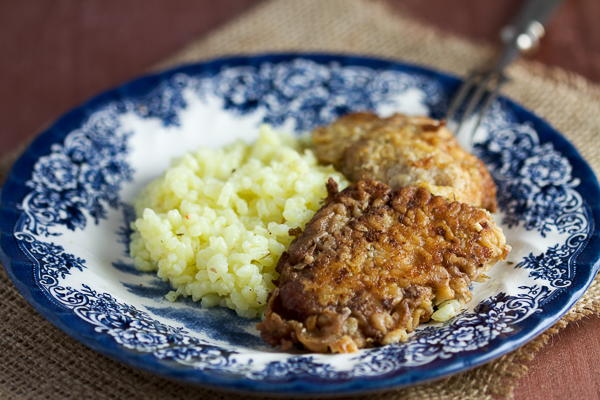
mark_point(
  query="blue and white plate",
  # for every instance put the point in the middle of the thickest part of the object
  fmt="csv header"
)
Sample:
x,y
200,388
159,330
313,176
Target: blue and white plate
x,y
65,213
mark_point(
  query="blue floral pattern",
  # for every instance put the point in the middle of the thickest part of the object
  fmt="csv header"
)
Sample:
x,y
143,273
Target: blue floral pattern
x,y
124,232
83,175
136,330
57,263
80,179
536,190
312,94
535,186
163,103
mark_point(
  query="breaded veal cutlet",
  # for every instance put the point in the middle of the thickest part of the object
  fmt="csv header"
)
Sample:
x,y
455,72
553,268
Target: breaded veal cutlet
x,y
401,151
372,263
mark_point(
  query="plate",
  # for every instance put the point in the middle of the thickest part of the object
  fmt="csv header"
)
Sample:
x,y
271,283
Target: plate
x,y
65,212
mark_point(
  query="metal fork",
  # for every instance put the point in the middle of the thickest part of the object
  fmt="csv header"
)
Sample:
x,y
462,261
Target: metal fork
x,y
482,86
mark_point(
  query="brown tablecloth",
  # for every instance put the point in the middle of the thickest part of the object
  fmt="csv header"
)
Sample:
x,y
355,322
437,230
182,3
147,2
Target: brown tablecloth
x,y
39,361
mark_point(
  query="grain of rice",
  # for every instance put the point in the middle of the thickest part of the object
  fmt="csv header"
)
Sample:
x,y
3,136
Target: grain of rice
x,y
215,224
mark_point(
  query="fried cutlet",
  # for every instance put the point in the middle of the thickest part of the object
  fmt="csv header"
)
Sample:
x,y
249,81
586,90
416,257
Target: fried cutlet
x,y
372,263
401,151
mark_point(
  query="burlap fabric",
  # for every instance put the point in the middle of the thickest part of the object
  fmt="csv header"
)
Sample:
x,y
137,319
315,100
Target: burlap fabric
x,y
39,361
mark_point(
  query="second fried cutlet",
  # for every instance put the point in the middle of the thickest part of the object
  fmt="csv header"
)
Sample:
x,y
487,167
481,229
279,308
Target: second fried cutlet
x,y
402,150
372,263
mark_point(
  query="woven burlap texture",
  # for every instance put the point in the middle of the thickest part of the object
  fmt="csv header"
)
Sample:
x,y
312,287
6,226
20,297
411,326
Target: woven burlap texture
x,y
39,361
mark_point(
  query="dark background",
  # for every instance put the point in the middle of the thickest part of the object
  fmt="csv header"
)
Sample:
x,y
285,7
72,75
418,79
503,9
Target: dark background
x,y
57,53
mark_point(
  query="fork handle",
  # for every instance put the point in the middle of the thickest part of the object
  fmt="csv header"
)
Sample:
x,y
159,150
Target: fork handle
x,y
525,31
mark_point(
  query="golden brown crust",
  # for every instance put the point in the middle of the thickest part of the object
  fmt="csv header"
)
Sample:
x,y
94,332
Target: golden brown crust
x,y
331,141
402,150
371,264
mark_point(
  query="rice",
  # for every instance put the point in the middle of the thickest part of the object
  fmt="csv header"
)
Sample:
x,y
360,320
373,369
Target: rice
x,y
215,224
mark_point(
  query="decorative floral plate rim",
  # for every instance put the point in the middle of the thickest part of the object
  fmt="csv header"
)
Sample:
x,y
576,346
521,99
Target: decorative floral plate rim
x,y
19,266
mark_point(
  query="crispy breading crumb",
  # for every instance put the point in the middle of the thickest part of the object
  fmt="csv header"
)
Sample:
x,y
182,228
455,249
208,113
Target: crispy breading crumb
x,y
371,264
402,150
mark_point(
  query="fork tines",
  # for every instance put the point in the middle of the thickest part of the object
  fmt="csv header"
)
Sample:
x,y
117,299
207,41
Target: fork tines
x,y
473,98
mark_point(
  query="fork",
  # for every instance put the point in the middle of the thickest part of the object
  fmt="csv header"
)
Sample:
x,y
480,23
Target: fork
x,y
482,86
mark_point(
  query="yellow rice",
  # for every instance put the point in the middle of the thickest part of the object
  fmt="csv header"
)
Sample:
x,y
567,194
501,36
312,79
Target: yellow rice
x,y
215,224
